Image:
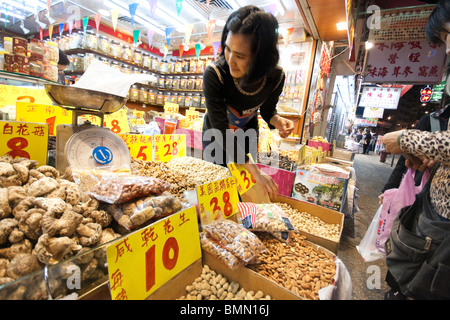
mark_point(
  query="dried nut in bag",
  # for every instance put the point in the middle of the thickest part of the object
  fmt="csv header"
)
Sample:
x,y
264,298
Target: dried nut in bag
x,y
219,252
264,217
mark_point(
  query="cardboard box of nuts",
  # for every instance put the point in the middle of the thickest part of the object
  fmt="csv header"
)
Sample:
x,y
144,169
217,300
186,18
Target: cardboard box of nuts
x,y
249,280
328,216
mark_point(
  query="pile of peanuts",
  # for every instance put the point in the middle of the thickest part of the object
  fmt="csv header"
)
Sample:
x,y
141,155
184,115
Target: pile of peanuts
x,y
303,221
213,286
297,266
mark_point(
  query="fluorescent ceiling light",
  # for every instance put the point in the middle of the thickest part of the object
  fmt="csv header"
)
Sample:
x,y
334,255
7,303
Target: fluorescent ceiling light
x,y
341,26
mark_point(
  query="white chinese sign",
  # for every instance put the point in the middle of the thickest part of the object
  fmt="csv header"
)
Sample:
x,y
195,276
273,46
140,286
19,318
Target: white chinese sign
x,y
366,122
376,113
405,62
379,97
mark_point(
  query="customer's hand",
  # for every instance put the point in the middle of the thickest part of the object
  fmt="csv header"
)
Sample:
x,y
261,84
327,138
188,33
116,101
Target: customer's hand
x,y
268,184
380,199
417,163
390,140
284,126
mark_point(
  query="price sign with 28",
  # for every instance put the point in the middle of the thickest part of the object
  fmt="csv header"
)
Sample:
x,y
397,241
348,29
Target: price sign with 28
x,y
168,146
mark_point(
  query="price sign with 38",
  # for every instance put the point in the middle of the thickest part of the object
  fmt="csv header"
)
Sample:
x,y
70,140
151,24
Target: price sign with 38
x,y
217,198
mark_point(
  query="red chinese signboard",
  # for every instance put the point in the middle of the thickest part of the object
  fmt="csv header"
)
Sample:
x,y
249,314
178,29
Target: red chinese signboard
x,y
405,62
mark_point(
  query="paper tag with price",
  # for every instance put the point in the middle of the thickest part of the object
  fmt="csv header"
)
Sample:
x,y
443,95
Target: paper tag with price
x,y
244,179
140,146
146,259
168,146
171,108
24,139
217,198
191,115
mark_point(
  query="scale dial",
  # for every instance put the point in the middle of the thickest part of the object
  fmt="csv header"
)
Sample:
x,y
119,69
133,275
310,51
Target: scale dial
x,y
97,148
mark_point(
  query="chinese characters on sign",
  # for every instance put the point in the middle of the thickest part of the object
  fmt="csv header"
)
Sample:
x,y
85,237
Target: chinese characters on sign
x,y
376,97
140,146
217,199
366,122
169,146
406,62
24,139
146,259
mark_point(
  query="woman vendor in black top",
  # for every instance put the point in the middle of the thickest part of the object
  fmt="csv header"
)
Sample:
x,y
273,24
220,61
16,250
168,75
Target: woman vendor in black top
x,y
245,79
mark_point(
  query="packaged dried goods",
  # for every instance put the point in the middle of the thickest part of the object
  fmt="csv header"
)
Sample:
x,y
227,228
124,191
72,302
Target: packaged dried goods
x,y
264,217
116,189
219,252
235,238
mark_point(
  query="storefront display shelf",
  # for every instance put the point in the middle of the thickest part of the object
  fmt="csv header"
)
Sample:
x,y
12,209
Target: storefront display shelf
x,y
12,78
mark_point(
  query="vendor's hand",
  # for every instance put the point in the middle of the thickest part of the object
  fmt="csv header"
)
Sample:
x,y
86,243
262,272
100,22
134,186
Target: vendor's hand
x,y
391,143
418,164
284,126
268,184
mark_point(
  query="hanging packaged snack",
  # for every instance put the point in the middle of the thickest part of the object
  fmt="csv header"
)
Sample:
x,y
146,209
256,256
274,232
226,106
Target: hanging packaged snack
x,y
122,188
219,252
137,212
264,217
235,238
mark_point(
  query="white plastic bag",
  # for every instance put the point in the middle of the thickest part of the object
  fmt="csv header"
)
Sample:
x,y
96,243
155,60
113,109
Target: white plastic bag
x,y
367,247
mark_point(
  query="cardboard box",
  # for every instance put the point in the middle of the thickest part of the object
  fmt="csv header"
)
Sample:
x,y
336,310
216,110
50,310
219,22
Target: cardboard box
x,y
343,154
323,190
248,279
326,215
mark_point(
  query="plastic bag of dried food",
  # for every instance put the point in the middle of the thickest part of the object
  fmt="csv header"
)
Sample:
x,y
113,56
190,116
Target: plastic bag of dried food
x,y
116,189
219,252
264,217
137,212
235,238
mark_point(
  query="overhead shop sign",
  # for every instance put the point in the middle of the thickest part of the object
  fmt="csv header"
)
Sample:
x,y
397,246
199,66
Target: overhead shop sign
x,y
366,122
379,97
405,62
376,113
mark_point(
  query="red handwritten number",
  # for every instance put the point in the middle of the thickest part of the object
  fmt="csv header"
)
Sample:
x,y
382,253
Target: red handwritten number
x,y
214,201
51,125
228,208
246,179
141,153
17,145
174,151
115,128
168,262
150,268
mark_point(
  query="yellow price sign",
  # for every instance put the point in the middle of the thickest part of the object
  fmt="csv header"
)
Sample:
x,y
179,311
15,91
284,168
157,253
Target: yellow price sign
x,y
43,113
24,139
244,179
218,198
169,146
191,116
139,114
146,259
140,146
171,108
117,121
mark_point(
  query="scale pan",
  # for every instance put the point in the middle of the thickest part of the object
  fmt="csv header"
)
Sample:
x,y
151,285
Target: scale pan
x,y
74,98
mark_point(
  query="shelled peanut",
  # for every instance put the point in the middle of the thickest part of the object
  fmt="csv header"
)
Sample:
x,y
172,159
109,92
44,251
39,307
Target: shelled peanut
x,y
304,221
213,286
297,266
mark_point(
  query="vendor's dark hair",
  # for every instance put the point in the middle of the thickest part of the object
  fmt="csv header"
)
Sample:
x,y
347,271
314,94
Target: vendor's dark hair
x,y
263,29
435,24
63,60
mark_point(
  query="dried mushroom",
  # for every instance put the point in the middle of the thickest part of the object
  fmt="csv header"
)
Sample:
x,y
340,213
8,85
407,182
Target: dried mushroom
x,y
51,250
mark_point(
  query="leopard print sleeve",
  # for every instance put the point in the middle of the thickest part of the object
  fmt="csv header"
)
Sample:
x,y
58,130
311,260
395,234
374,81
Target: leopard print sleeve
x,y
429,145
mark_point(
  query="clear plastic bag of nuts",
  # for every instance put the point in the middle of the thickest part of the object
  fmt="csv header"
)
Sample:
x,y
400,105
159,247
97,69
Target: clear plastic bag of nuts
x,y
235,238
116,189
264,217
137,212
219,252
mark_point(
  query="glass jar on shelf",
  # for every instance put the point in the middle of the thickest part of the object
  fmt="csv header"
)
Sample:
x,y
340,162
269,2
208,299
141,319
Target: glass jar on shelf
x,y
167,96
161,81
176,82
188,100
199,83
116,65
170,66
36,49
103,44
36,68
181,99
8,44
190,85
202,101
74,41
183,82
51,52
78,62
151,97
146,61
81,40
137,57
155,64
163,66
91,41
88,58
185,65
177,67
143,94
134,93
115,49
200,65
168,83
196,100
193,65
136,70
174,97
153,82
51,71
126,53
126,69
160,98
